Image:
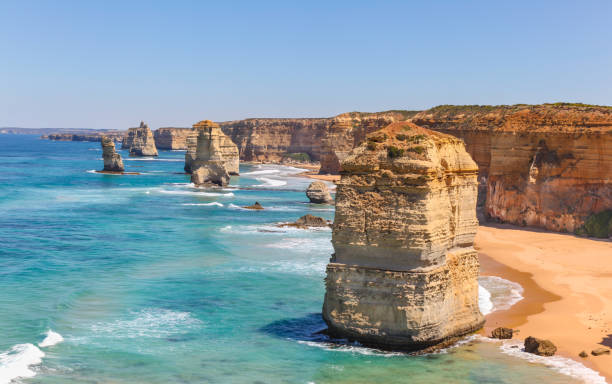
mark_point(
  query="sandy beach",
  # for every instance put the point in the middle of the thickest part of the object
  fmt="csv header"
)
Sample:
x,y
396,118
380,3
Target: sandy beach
x,y
567,283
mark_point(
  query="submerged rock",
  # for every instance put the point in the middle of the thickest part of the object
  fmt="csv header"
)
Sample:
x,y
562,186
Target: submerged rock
x,y
209,165
539,347
308,221
140,141
227,150
404,272
112,160
318,193
502,333
255,206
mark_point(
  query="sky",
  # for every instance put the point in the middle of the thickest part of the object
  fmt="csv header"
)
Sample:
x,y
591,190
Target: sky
x,y
110,64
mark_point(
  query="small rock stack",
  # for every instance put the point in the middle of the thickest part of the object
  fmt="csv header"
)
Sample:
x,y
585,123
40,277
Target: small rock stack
x,y
140,141
112,160
318,193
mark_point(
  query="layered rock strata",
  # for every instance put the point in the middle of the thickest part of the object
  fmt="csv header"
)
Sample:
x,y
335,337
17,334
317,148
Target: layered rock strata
x,y
226,147
112,160
545,165
212,162
171,138
140,141
404,272
318,193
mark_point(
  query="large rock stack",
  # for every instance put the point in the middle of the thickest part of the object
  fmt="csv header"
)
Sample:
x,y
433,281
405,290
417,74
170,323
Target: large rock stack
x,y
112,160
404,272
225,146
139,141
212,163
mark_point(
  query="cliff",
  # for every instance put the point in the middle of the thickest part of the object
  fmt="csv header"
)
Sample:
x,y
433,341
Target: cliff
x,y
404,272
139,141
547,166
214,157
112,160
116,136
171,138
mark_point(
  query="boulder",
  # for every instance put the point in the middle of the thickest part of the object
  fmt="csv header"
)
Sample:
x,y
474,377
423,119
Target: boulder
x,y
600,351
318,193
502,333
583,354
112,160
255,206
539,347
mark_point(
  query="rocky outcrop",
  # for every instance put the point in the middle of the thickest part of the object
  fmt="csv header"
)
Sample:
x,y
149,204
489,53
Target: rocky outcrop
x,y
318,193
112,160
227,149
139,141
171,138
211,163
545,165
255,206
116,136
539,347
346,131
502,333
404,272
307,221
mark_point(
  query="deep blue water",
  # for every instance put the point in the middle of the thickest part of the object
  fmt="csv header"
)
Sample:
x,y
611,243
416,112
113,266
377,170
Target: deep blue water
x,y
150,280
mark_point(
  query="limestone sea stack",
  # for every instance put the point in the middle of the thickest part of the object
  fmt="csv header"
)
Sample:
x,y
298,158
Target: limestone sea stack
x,y
112,160
209,165
225,146
404,272
318,193
140,141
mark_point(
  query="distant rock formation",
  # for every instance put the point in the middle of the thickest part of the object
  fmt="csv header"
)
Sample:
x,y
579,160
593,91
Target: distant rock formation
x,y
112,160
307,221
255,206
223,144
404,272
318,193
171,138
139,141
211,163
116,136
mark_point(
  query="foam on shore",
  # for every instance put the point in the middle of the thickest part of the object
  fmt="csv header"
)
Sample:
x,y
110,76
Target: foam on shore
x,y
18,362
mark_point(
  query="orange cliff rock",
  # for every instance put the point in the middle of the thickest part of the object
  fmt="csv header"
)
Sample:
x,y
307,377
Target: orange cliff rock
x,y
547,166
404,272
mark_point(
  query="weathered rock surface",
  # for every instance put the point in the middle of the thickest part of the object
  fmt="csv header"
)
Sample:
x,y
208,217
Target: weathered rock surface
x,y
502,333
547,166
139,141
539,347
210,164
226,149
112,160
171,138
255,206
600,351
404,272
318,193
308,221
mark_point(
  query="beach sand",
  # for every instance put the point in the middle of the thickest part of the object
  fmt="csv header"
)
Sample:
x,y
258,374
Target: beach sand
x,y
567,283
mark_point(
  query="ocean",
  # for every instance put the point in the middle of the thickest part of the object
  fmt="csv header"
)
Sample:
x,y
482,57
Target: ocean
x,y
146,279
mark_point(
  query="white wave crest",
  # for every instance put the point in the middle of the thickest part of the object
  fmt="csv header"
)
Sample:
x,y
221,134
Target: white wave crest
x,y
195,193
153,159
356,348
214,203
51,339
484,300
267,182
263,172
502,293
18,362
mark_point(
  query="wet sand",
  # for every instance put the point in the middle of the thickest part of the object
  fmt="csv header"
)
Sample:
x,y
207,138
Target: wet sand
x,y
567,284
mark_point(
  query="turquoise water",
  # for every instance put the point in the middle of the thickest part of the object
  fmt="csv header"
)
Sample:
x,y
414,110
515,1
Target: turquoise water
x,y
149,280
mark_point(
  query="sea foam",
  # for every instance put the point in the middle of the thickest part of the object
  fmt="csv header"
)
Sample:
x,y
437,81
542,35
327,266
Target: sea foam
x,y
498,294
51,339
18,362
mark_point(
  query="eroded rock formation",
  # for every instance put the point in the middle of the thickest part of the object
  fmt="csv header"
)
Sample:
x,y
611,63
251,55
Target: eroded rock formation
x,y
223,144
540,165
112,160
171,138
139,141
211,162
404,272
318,193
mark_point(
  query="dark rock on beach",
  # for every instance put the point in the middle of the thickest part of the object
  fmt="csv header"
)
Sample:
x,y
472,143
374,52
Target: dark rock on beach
x,y
502,333
539,347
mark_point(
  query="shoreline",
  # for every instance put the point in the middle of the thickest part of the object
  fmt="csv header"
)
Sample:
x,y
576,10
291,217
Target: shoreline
x,y
567,282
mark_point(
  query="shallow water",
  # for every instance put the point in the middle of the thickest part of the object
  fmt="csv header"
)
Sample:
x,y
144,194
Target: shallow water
x,y
145,279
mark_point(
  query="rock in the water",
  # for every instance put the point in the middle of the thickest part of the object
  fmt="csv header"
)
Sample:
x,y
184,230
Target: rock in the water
x,y
583,354
308,221
404,272
501,333
600,351
227,150
112,160
209,165
318,193
539,347
139,141
255,206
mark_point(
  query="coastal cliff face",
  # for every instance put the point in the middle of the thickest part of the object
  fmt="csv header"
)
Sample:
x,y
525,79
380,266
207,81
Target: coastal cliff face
x,y
404,272
344,132
112,160
547,166
227,149
139,141
171,138
214,159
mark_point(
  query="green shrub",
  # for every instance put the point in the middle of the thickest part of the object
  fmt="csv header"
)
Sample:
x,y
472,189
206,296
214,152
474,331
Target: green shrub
x,y
394,152
417,138
420,150
378,139
598,225
371,145
401,137
299,156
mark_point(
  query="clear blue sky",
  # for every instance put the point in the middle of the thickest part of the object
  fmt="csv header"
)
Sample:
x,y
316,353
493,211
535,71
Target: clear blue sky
x,y
110,64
